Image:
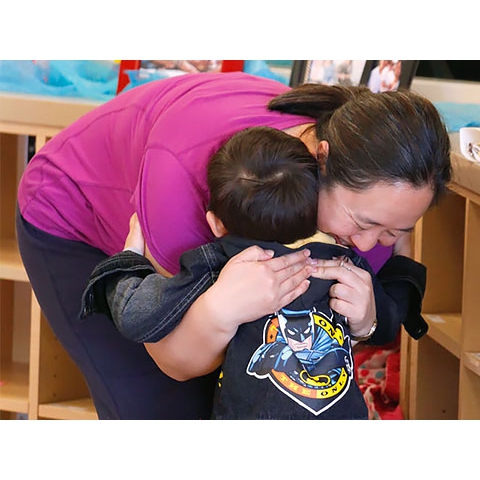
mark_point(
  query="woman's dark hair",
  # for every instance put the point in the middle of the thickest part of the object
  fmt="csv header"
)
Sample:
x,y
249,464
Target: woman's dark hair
x,y
390,137
264,185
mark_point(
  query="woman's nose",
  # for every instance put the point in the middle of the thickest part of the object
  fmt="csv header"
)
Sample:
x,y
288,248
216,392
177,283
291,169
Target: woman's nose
x,y
365,240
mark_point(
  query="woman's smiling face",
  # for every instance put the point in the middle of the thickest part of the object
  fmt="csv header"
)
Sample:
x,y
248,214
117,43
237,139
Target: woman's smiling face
x,y
380,214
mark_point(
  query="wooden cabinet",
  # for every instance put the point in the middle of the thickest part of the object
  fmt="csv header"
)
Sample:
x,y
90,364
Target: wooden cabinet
x,y
37,377
440,373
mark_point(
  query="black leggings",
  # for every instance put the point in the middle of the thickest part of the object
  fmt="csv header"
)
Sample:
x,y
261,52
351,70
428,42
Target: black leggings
x,y
125,383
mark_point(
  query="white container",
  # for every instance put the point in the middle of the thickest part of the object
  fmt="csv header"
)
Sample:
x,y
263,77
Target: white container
x,y
470,143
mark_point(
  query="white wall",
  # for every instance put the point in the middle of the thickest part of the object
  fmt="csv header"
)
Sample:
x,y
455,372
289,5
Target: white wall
x,y
439,90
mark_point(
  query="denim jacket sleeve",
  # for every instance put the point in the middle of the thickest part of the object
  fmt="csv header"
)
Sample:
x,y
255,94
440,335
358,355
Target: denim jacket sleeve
x,y
144,305
405,280
399,288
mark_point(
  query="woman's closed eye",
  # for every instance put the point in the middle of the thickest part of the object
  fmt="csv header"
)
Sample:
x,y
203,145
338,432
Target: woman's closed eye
x,y
387,233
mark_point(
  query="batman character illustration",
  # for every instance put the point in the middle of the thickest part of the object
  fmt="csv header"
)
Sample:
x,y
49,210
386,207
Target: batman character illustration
x,y
307,356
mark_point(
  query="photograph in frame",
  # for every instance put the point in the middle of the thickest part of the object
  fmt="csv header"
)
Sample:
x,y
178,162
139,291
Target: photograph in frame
x,y
397,74
328,72
389,75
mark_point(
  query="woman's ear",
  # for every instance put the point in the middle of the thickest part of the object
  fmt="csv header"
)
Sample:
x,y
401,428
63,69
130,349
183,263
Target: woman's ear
x,y
216,225
322,155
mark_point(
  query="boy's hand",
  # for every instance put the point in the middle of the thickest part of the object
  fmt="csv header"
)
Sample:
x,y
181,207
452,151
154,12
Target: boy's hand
x,y
135,240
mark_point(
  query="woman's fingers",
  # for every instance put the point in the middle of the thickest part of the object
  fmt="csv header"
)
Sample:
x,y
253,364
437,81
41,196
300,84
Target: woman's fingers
x,y
294,286
252,284
277,264
290,276
253,254
285,262
352,294
341,270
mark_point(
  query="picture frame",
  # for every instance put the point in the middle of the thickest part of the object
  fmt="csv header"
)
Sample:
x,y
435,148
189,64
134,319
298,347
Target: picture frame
x,y
328,72
399,74
355,72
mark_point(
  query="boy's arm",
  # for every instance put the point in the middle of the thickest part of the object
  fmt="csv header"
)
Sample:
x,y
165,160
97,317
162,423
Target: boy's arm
x,y
404,280
398,287
144,305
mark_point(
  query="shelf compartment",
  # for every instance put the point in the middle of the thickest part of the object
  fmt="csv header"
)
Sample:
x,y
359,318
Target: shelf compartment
x,y
39,378
442,253
469,406
14,387
446,330
11,265
434,391
60,390
77,409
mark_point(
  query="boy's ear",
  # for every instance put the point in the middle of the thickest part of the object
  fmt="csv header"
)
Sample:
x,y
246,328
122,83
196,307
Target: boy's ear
x,y
216,225
322,154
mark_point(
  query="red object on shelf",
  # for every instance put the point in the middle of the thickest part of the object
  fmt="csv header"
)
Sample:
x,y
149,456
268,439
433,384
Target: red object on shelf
x,y
232,65
123,79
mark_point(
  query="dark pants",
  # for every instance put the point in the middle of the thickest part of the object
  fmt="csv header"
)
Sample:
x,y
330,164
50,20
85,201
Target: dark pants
x,y
124,381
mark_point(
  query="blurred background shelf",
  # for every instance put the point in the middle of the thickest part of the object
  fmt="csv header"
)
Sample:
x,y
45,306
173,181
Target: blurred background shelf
x,y
38,378
11,266
77,409
446,330
14,387
472,361
440,373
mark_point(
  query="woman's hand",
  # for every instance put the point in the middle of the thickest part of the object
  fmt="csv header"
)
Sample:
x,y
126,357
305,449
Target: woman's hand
x,y
253,284
352,296
135,240
403,246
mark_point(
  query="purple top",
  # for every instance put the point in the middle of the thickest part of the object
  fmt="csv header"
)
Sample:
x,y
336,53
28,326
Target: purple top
x,y
146,150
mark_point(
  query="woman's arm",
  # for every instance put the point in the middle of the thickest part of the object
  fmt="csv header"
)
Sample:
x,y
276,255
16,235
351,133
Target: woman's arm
x,y
251,285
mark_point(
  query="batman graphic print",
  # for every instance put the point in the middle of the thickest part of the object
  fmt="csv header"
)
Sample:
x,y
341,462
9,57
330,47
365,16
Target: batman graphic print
x,y
307,356
295,363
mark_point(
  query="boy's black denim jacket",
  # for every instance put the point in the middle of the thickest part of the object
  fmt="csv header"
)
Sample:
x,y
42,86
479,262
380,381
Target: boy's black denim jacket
x,y
113,289
294,364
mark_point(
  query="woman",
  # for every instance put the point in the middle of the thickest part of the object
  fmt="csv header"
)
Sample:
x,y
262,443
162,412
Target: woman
x,y
385,159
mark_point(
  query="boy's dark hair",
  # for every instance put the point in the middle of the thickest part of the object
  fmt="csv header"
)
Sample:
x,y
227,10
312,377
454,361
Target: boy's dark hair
x,y
264,185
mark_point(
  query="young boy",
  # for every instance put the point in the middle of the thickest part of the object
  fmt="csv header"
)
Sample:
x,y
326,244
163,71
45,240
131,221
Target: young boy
x,y
296,363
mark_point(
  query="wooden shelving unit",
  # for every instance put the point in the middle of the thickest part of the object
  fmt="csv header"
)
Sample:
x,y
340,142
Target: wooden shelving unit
x,y
440,373
37,377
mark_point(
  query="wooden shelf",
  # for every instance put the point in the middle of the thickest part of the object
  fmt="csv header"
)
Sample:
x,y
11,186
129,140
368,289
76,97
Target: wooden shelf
x,y
446,329
78,409
472,361
34,114
441,375
35,370
14,387
11,266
